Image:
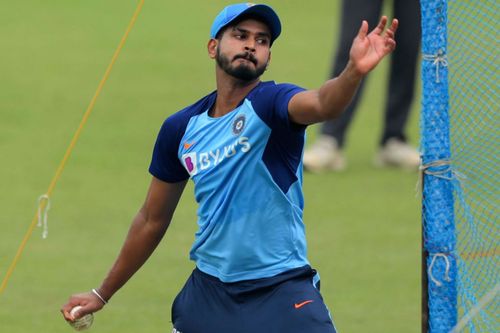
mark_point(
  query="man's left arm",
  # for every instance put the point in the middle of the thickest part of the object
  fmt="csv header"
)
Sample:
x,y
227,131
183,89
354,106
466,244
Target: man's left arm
x,y
330,100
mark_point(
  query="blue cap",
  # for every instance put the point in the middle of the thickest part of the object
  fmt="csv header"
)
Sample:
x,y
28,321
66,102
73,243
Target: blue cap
x,y
232,12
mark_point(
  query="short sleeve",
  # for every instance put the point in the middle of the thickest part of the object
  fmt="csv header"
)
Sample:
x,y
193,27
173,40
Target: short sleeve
x,y
165,164
284,93
271,104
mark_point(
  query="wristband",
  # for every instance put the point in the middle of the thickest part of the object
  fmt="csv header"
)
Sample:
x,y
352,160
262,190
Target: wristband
x,y
99,296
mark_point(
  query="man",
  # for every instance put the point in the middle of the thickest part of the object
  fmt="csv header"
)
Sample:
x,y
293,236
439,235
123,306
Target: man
x,y
242,146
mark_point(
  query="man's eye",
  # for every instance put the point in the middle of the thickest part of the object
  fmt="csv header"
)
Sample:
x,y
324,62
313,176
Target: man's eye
x,y
262,41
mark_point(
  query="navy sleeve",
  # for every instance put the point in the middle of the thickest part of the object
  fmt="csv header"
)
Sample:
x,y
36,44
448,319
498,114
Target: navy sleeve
x,y
271,104
165,164
284,94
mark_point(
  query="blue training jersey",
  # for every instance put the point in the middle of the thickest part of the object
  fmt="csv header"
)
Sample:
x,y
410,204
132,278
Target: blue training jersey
x,y
247,172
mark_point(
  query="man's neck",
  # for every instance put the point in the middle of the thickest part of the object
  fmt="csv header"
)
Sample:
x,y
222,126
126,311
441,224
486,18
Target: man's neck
x,y
230,92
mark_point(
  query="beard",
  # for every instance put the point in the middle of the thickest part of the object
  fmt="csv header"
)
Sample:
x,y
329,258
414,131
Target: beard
x,y
241,71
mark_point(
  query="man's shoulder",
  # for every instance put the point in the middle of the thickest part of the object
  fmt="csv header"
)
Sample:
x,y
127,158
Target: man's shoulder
x,y
271,88
183,116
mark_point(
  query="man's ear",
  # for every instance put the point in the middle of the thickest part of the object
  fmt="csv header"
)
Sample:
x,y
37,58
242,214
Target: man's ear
x,y
212,48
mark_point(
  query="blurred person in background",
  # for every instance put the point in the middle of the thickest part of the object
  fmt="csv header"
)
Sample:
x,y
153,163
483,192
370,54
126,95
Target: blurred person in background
x,y
326,153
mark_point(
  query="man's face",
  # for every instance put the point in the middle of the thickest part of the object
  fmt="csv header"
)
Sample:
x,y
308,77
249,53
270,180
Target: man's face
x,y
244,50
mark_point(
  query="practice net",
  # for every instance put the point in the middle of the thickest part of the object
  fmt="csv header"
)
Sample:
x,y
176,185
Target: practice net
x,y
461,161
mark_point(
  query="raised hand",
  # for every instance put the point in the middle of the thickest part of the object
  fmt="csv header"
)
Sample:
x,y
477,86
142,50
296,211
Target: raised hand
x,y
368,50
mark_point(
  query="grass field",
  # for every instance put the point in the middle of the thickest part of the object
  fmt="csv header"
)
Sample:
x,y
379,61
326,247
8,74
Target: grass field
x,y
363,224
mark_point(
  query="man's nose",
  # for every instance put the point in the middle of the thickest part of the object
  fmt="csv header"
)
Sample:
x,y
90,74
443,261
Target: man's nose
x,y
250,45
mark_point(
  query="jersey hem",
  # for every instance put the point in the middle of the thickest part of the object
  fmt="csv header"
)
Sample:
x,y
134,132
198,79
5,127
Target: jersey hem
x,y
247,275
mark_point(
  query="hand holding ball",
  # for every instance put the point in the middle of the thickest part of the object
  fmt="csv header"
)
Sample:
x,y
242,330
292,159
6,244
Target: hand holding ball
x,y
72,312
82,323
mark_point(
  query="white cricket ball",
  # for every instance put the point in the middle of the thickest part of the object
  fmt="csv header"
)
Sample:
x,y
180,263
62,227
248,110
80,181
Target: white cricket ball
x,y
82,323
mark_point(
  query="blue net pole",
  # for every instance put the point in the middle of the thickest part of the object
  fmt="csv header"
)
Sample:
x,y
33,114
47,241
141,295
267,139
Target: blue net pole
x,y
439,236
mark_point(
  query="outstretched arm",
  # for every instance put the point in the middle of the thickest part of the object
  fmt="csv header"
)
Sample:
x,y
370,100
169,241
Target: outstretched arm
x,y
330,100
145,233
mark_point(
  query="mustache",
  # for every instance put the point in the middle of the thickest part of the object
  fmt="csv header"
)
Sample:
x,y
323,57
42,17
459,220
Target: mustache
x,y
247,55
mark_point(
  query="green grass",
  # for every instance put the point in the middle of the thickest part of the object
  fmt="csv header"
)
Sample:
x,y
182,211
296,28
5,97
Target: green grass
x,y
363,224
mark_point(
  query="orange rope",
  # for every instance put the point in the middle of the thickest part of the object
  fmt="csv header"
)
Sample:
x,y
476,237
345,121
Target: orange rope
x,y
71,146
483,254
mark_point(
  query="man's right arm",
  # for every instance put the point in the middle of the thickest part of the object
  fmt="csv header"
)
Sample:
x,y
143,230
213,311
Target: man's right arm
x,y
146,231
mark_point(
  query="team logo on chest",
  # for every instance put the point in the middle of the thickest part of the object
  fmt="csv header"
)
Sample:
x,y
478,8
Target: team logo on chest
x,y
239,124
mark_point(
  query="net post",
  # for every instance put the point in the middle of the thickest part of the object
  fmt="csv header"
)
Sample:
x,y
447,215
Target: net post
x,y
425,299
439,237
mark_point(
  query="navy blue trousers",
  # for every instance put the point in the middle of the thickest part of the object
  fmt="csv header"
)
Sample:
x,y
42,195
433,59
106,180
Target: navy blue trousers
x,y
287,303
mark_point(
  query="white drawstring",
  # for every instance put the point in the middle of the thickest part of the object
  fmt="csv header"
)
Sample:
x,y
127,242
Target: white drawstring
x,y
438,59
43,214
446,273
